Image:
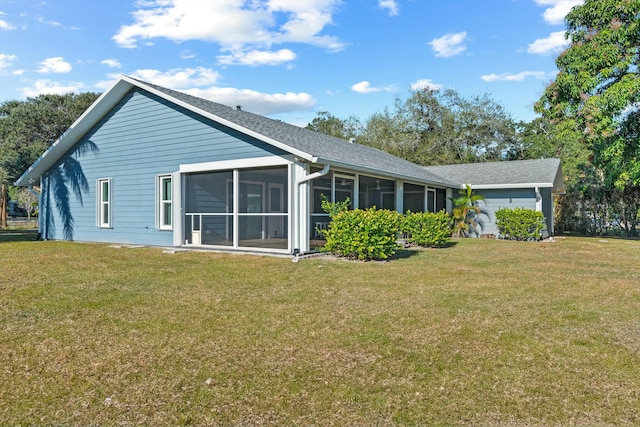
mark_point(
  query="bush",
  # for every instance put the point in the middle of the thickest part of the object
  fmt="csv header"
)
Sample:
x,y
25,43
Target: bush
x,y
520,224
363,234
427,229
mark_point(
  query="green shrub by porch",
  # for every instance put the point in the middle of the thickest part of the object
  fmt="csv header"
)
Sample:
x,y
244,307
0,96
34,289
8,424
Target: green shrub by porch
x,y
363,234
520,224
427,229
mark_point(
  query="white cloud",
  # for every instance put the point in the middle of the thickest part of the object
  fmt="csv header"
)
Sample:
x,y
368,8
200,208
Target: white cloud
x,y
505,77
256,57
557,10
390,5
364,87
6,61
42,20
250,100
235,25
553,44
41,87
425,84
54,65
257,102
106,84
179,78
111,63
4,25
449,45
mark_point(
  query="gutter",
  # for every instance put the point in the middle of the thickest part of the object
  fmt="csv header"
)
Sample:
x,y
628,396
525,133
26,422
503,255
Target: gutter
x,y
315,175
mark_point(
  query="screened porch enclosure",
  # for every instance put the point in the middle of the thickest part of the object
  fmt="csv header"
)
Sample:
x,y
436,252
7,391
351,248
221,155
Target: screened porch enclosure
x,y
364,192
246,208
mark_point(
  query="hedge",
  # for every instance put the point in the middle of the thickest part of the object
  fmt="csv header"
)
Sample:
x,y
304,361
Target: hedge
x,y
369,234
427,229
520,224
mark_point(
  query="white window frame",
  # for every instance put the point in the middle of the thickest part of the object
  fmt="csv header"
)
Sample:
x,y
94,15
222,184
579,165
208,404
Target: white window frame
x,y
161,202
101,203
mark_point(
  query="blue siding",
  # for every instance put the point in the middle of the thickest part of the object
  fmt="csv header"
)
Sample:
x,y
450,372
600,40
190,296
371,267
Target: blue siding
x,y
142,137
505,198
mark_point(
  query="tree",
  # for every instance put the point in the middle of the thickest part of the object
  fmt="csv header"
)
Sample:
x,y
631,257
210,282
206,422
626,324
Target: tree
x,y
441,127
329,124
597,90
543,138
27,199
467,214
28,128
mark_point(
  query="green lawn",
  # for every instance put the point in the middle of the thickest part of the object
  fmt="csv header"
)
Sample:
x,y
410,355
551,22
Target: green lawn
x,y
485,332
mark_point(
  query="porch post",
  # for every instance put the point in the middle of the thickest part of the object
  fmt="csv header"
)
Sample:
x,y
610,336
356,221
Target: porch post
x,y
177,209
399,196
449,203
300,214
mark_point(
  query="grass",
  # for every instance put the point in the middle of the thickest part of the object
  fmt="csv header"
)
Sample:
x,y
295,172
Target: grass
x,y
485,332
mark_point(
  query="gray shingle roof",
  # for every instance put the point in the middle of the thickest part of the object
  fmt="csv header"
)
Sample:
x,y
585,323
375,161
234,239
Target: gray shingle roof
x,y
540,172
326,148
321,148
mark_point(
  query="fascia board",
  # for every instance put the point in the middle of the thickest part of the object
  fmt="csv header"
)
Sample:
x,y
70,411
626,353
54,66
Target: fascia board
x,y
378,172
76,131
224,122
508,186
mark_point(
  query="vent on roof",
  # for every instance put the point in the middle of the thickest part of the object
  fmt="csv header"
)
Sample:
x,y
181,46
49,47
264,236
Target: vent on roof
x,y
352,140
239,107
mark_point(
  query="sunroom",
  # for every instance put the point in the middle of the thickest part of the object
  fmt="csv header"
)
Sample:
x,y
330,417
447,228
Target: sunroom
x,y
253,206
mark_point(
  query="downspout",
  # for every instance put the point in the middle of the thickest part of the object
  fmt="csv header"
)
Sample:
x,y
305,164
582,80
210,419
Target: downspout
x,y
297,207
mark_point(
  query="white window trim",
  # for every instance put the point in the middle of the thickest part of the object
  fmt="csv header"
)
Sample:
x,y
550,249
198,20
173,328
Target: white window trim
x,y
160,225
100,203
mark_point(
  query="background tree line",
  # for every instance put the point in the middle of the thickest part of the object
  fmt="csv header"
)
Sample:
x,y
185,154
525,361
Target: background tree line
x,y
589,118
27,129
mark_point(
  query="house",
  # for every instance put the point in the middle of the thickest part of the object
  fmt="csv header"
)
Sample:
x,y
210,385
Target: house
x,y
526,184
153,166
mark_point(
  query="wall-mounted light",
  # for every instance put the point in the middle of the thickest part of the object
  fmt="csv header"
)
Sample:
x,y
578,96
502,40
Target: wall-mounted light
x,y
378,184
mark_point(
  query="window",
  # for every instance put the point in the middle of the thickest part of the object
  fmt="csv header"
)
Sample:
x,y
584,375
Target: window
x,y
104,203
165,198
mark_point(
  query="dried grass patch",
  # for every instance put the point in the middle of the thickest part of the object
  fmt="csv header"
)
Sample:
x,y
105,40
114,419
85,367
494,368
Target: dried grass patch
x,y
482,333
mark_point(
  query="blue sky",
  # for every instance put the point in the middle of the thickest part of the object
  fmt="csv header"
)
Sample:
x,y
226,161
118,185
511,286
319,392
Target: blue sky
x,y
287,59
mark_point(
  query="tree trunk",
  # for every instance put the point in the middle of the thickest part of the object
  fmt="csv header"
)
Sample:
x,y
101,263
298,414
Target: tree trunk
x,y
3,206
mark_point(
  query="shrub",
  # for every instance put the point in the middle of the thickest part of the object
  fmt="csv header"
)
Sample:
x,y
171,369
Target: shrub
x,y
520,224
427,228
363,234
